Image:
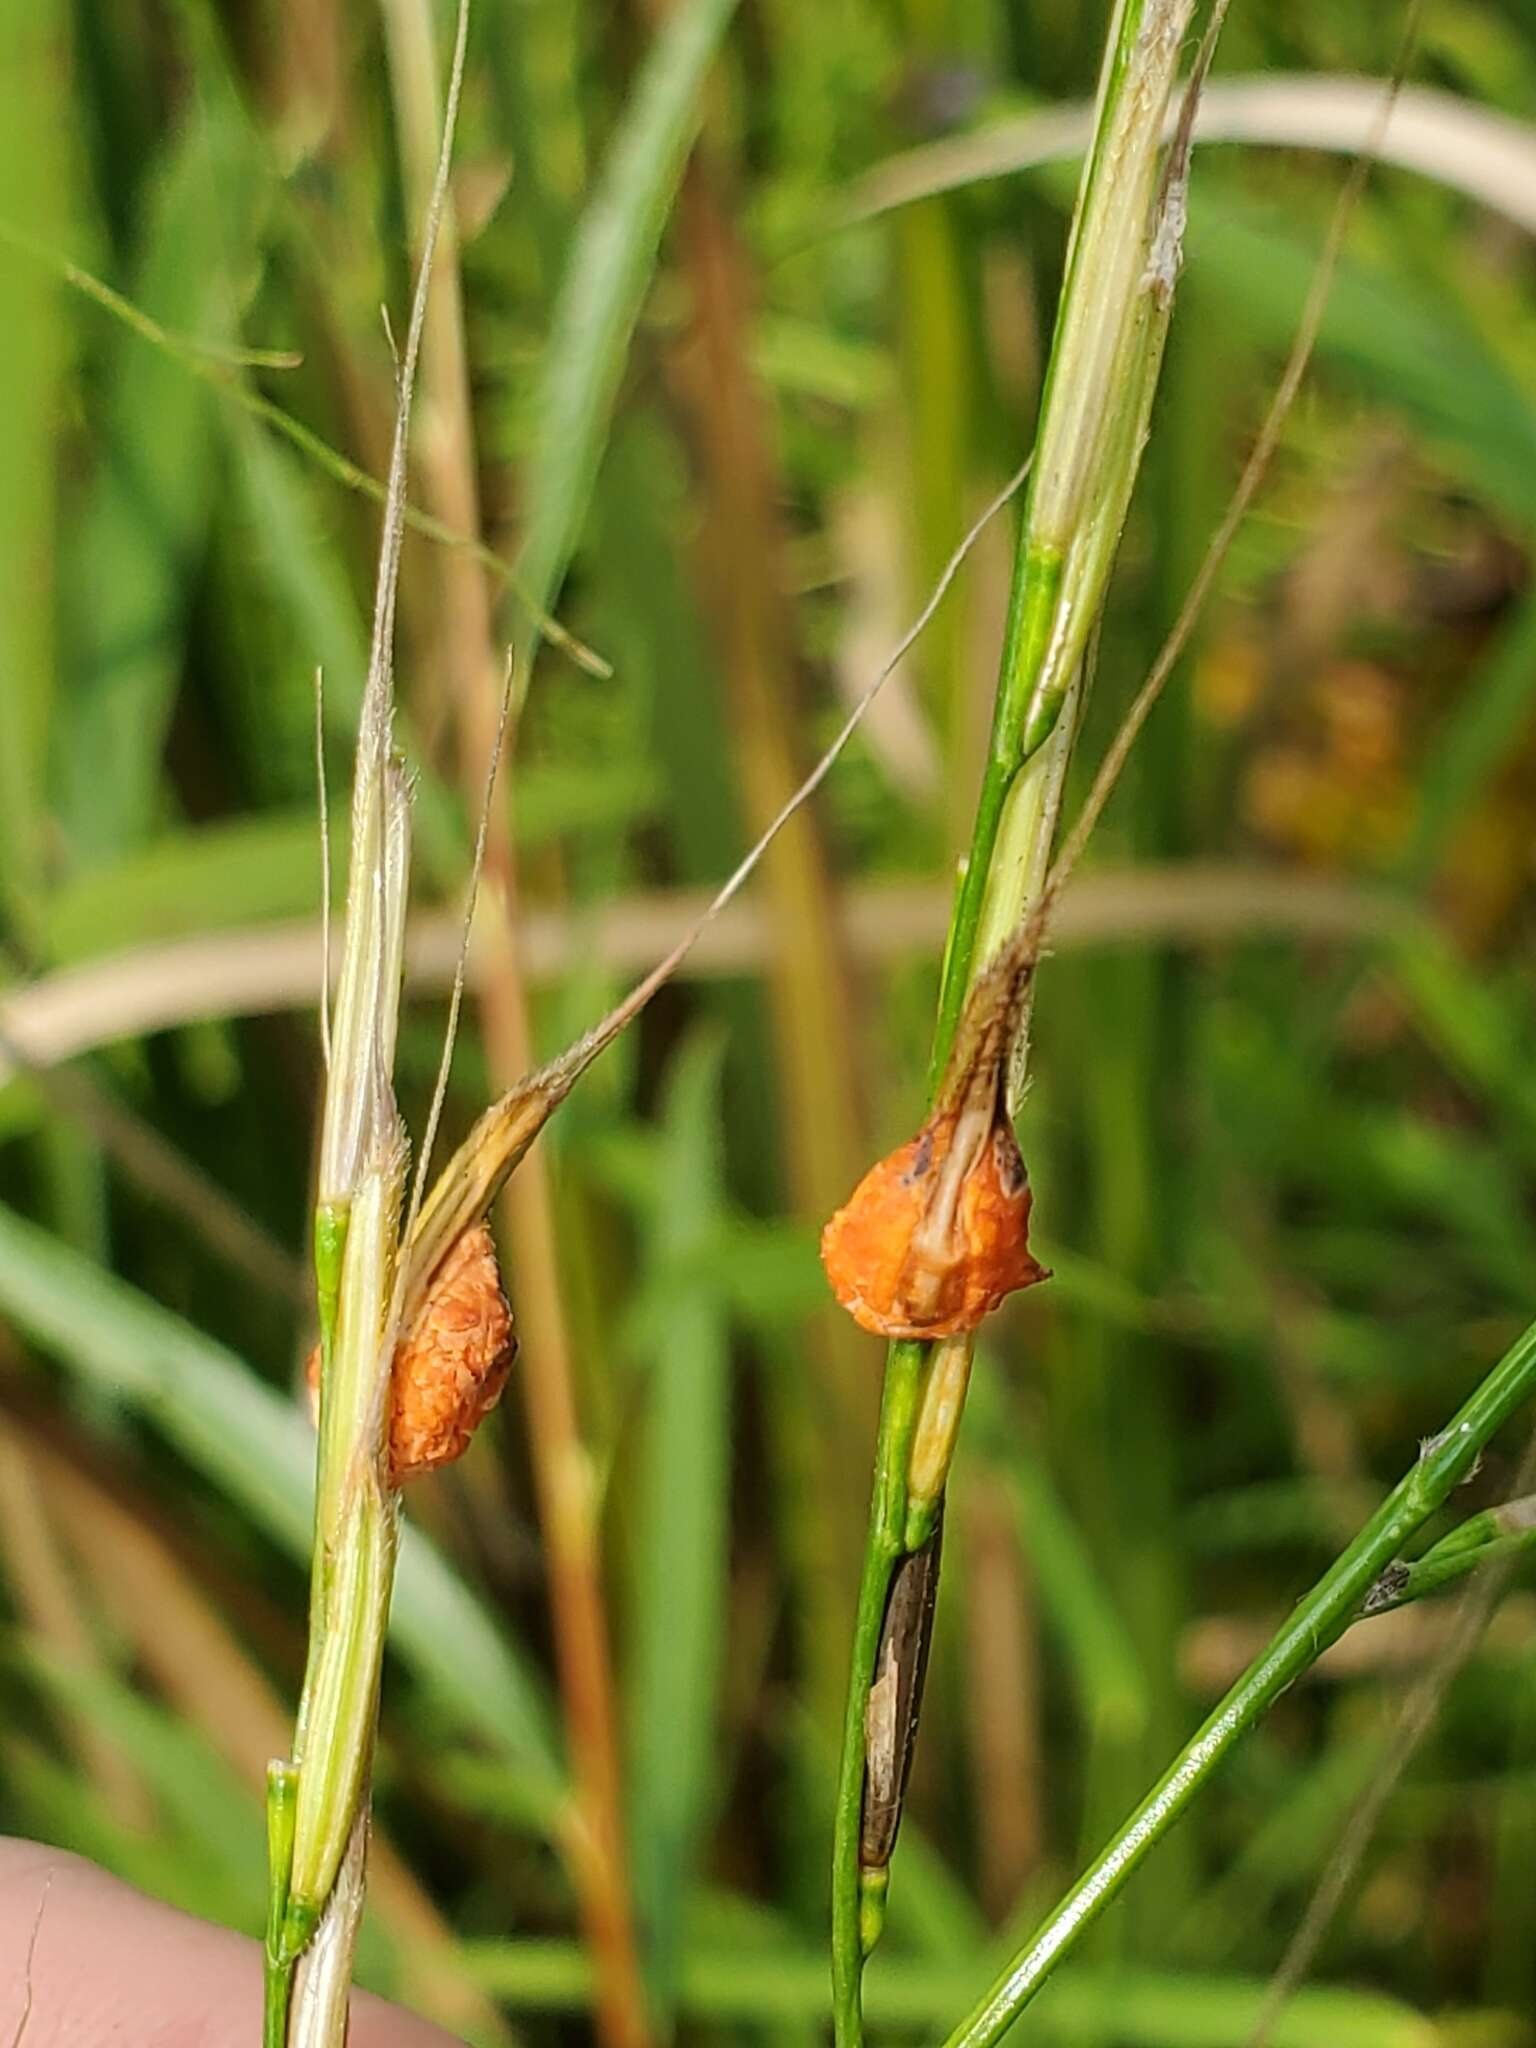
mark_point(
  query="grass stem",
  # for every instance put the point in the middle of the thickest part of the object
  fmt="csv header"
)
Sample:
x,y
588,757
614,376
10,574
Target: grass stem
x,y
1316,1622
1106,353
318,1803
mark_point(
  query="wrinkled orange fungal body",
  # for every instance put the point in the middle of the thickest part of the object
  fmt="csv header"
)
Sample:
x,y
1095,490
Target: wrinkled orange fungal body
x,y
451,1364
927,1246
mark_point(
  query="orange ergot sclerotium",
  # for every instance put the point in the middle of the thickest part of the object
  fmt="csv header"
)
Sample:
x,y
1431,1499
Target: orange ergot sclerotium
x,y
452,1362
936,1234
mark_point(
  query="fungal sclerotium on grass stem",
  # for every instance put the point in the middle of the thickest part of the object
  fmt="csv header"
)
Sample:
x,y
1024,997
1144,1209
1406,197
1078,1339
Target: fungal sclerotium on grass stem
x,y
415,1333
318,1798
936,1234
451,1361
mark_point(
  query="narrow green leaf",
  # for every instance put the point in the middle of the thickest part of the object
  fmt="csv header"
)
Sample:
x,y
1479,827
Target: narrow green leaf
x,y
1475,1030
207,878
32,188
1137,2008
1494,712
301,575
1414,349
1107,1675
210,878
204,1808
136,548
53,1802
604,287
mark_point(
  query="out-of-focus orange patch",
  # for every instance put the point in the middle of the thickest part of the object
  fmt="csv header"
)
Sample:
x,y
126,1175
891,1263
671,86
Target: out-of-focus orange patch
x,y
452,1363
928,1245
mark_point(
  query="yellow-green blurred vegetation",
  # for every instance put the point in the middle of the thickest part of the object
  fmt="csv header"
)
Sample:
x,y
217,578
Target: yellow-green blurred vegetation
x,y
740,323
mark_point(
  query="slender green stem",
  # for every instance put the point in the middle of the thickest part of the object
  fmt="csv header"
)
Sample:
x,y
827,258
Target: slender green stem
x,y
1317,1621
317,1801
1496,1535
904,1374
899,1522
277,1978
1032,607
1121,261
1434,1573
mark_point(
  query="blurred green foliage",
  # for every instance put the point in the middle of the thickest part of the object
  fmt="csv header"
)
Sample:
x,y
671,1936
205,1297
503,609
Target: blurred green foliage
x,y
1284,1168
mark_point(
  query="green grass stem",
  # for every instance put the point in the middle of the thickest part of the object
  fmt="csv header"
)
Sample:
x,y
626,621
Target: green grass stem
x,y
1105,357
1316,1622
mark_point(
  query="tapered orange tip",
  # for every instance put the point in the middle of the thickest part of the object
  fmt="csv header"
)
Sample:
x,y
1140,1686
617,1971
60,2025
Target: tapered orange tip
x,y
451,1364
937,1234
